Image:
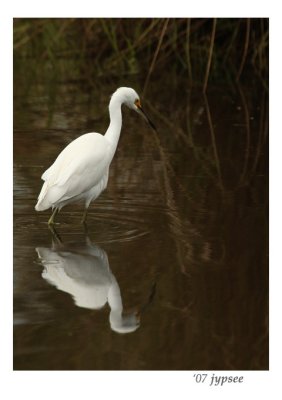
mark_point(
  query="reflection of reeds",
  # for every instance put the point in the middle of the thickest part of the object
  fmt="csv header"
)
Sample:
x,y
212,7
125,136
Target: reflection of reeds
x,y
230,163
246,46
262,136
214,144
182,246
248,136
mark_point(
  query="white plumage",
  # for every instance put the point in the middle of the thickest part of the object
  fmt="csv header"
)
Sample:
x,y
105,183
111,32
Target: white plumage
x,y
80,172
63,180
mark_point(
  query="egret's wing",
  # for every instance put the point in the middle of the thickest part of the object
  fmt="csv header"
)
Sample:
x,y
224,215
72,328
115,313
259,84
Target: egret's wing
x,y
74,152
80,166
47,173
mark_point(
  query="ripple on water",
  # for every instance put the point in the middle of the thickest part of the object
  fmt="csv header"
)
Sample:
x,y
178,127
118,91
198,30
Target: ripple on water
x,y
108,222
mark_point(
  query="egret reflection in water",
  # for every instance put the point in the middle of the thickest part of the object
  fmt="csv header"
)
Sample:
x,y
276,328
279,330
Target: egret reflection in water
x,y
83,271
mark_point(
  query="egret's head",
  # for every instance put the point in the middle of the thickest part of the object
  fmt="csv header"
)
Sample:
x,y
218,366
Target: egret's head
x,y
130,98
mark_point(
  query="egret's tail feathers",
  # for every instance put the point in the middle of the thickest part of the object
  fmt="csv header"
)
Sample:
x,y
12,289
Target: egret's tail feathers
x,y
50,196
43,203
40,207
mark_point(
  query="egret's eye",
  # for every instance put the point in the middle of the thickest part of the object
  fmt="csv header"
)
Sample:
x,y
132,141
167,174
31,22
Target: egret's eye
x,y
137,103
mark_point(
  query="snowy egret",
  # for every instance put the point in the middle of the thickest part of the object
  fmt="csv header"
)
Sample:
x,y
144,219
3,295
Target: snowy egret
x,y
81,170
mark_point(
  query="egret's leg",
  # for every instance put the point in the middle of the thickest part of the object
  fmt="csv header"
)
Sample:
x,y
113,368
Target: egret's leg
x,y
51,219
55,235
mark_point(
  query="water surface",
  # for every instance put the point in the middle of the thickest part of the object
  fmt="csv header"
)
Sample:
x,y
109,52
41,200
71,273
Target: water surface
x,y
172,272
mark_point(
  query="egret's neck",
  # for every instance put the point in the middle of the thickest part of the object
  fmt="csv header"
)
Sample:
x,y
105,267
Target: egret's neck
x,y
119,323
113,131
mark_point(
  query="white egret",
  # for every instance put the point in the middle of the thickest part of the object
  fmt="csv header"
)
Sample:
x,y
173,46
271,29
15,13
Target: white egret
x,y
81,170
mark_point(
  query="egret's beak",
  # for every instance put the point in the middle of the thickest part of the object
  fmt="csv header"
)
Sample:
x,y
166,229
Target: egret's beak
x,y
144,115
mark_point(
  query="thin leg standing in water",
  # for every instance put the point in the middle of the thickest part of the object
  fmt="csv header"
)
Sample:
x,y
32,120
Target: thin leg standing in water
x,y
52,218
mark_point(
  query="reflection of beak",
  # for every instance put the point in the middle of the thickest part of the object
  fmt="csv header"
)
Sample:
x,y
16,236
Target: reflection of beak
x,y
145,116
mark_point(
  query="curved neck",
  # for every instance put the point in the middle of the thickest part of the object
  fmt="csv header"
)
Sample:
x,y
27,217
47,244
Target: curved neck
x,y
113,131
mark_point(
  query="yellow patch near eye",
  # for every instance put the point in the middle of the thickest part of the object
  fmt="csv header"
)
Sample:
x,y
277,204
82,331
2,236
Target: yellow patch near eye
x,y
137,103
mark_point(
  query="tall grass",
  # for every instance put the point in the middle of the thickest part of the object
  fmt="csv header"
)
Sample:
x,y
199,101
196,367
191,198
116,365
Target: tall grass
x,y
207,50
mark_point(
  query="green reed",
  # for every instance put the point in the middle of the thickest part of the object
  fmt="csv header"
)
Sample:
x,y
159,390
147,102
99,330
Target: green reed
x,y
205,49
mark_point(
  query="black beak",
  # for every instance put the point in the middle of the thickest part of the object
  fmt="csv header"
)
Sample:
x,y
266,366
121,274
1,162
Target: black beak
x,y
144,115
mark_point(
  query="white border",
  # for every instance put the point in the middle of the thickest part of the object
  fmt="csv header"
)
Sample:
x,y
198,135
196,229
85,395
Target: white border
x,y
140,385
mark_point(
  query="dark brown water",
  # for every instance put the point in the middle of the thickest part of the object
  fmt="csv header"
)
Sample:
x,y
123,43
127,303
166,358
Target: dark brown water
x,y
173,270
